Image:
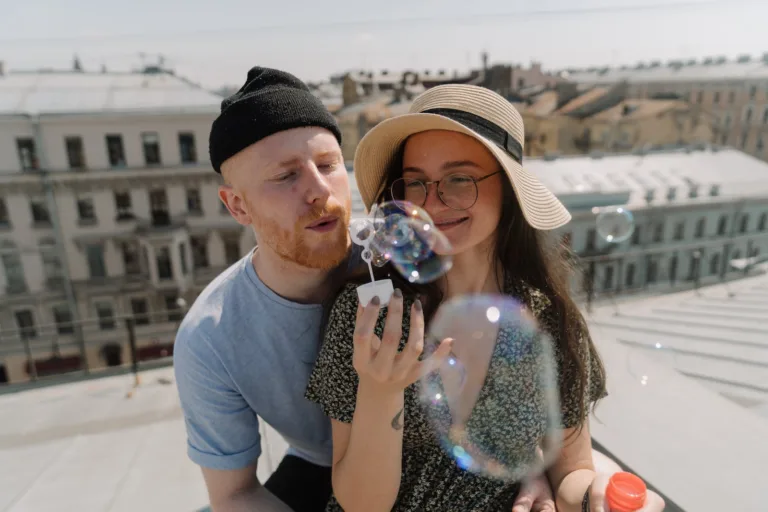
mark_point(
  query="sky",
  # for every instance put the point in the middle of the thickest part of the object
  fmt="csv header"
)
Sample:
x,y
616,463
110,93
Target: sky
x,y
215,43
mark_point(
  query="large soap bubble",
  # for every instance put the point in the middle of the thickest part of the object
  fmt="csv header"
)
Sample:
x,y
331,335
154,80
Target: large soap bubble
x,y
494,402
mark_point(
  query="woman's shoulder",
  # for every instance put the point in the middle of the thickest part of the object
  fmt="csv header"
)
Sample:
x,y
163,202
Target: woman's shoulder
x,y
532,297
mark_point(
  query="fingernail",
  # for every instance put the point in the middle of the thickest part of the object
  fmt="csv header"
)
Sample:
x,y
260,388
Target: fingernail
x,y
398,294
417,305
375,300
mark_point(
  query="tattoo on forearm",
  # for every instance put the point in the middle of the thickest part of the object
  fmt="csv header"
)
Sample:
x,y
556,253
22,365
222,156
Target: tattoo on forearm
x,y
397,424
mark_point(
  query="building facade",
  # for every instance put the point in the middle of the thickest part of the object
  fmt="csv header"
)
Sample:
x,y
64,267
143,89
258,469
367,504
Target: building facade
x,y
109,212
734,92
695,211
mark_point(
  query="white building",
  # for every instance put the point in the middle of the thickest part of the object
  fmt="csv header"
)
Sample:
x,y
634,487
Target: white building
x,y
694,210
107,201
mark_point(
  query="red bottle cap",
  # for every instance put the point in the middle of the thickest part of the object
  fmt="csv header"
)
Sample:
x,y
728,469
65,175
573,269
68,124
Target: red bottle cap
x,y
625,493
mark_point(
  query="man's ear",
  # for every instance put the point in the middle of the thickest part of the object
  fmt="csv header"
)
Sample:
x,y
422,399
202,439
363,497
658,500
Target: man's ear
x,y
235,204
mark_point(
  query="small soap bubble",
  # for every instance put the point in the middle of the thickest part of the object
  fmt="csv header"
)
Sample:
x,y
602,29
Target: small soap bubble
x,y
614,224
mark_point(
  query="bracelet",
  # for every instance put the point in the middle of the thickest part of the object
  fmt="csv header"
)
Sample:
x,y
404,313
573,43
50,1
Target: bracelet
x,y
585,501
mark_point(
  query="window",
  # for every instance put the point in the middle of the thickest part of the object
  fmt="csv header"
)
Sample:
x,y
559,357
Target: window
x,y
652,271
759,145
762,222
744,224
164,267
172,307
714,264
187,148
722,225
27,154
636,236
40,215
85,211
150,143
744,137
630,275
183,257
765,115
75,153
543,138
520,83
700,226
673,269
14,272
139,309
158,205
131,259
52,267
231,250
731,97
747,114
4,219
25,321
63,318
658,233
716,99
123,206
194,205
699,97
591,238
680,231
752,92
736,255
608,278
106,316
199,248
115,150
693,266
95,256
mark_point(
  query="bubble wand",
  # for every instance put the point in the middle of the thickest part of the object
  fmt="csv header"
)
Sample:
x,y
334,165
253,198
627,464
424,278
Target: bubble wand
x,y
362,231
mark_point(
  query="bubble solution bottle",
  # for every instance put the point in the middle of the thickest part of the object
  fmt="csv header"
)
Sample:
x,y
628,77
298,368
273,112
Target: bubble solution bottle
x,y
625,493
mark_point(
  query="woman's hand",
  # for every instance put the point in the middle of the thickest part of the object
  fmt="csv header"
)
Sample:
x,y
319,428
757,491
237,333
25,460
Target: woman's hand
x,y
377,361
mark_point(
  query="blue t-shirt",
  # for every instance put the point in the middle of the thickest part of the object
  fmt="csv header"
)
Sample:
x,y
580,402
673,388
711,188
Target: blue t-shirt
x,y
242,351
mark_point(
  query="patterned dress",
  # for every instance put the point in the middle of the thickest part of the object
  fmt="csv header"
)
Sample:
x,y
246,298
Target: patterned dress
x,y
431,480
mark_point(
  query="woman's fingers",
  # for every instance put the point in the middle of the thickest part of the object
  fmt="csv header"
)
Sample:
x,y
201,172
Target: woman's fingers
x,y
433,362
415,345
363,334
390,339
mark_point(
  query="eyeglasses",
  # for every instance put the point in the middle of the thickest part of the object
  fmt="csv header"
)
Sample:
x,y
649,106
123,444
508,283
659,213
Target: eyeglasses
x,y
456,191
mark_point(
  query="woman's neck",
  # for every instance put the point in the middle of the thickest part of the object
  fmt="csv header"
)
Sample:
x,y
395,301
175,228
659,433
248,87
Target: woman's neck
x,y
473,272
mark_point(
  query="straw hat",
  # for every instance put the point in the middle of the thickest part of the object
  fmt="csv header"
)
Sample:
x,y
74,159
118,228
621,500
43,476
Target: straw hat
x,y
471,110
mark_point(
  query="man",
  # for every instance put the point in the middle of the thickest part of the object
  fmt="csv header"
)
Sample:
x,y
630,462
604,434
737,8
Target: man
x,y
248,343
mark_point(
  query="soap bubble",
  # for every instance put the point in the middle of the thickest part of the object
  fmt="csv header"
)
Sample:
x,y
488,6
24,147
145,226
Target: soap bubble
x,y
405,235
494,402
615,224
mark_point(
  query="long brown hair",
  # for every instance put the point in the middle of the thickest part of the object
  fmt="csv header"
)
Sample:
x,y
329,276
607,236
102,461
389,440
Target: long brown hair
x,y
522,255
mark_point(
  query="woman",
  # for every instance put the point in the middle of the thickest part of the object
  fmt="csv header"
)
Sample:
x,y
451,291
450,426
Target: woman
x,y
458,155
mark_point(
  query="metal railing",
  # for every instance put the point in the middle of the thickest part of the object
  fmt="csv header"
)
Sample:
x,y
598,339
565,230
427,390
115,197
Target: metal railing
x,y
109,344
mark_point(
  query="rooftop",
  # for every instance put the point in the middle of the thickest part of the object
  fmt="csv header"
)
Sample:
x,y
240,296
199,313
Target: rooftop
x,y
689,415
707,70
735,173
633,109
73,92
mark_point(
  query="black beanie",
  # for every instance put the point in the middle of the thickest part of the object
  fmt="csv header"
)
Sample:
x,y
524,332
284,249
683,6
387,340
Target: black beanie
x,y
270,101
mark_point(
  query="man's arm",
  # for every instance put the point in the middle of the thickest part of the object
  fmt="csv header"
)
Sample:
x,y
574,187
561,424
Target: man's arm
x,y
236,490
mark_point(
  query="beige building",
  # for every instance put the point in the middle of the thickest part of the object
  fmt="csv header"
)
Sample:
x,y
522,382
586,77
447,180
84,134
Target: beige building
x,y
108,212
569,120
735,92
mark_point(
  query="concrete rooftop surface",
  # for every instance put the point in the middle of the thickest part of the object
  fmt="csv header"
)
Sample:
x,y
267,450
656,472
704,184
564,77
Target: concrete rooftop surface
x,y
85,446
